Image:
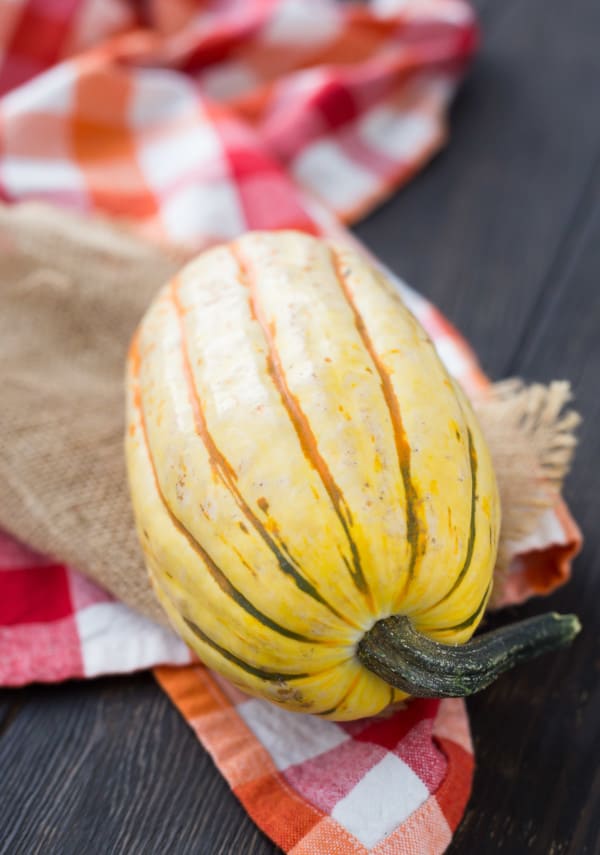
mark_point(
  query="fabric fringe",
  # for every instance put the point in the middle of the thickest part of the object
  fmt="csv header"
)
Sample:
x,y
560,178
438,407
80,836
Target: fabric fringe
x,y
531,438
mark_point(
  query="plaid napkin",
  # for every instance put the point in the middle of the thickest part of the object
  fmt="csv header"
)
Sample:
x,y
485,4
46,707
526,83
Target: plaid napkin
x,y
197,121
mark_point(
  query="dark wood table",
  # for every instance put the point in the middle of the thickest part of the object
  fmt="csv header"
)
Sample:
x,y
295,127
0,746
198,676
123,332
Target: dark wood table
x,y
502,231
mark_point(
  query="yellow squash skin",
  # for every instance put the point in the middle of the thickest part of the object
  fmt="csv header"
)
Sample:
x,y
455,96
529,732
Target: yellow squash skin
x,y
301,465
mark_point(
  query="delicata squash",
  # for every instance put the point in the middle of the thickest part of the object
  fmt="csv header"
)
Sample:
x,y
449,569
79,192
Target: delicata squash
x,y
315,501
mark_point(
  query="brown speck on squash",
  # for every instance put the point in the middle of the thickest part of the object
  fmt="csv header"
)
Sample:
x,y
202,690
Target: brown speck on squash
x,y
263,504
286,693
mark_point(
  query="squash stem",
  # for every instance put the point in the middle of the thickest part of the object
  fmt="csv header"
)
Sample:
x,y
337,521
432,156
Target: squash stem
x,y
405,658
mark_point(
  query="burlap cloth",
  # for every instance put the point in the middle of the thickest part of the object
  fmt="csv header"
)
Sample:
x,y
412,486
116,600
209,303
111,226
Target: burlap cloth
x,y
71,293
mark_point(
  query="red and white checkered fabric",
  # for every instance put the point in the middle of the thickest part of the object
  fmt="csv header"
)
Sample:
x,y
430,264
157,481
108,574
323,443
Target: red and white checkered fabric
x,y
197,120
56,624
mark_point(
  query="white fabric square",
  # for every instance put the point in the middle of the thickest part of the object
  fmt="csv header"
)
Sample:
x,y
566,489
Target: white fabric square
x,y
329,173
384,8
452,11
302,22
169,158
290,738
228,80
452,355
160,96
22,175
95,17
399,136
547,530
210,210
385,797
116,640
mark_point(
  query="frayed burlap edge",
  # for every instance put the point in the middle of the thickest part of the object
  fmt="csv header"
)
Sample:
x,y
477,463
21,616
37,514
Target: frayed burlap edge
x,y
531,438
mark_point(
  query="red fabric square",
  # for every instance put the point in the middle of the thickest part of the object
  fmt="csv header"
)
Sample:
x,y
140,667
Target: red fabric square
x,y
41,652
249,161
388,732
326,779
455,789
268,203
336,104
420,752
16,70
39,35
64,10
34,595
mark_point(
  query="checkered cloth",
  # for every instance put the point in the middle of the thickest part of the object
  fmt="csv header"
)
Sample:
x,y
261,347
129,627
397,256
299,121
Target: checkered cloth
x,y
388,786
197,121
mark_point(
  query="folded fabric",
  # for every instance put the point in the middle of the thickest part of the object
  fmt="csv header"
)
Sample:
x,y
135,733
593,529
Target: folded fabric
x,y
196,122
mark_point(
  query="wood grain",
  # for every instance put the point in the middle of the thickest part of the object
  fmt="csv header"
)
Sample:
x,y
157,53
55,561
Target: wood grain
x,y
479,230
110,766
501,231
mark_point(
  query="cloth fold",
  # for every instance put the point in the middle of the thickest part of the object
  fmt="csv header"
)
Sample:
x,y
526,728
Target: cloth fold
x,y
192,122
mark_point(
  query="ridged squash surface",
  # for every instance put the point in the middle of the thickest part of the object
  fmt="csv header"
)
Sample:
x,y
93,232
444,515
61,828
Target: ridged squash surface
x,y
302,465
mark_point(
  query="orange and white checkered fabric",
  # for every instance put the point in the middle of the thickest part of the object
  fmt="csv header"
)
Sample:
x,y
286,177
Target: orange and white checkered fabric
x,y
207,119
387,786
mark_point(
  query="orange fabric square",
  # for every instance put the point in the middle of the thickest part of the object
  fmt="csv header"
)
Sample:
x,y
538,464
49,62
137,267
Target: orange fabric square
x,y
104,147
189,692
103,93
329,836
294,817
425,830
239,755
